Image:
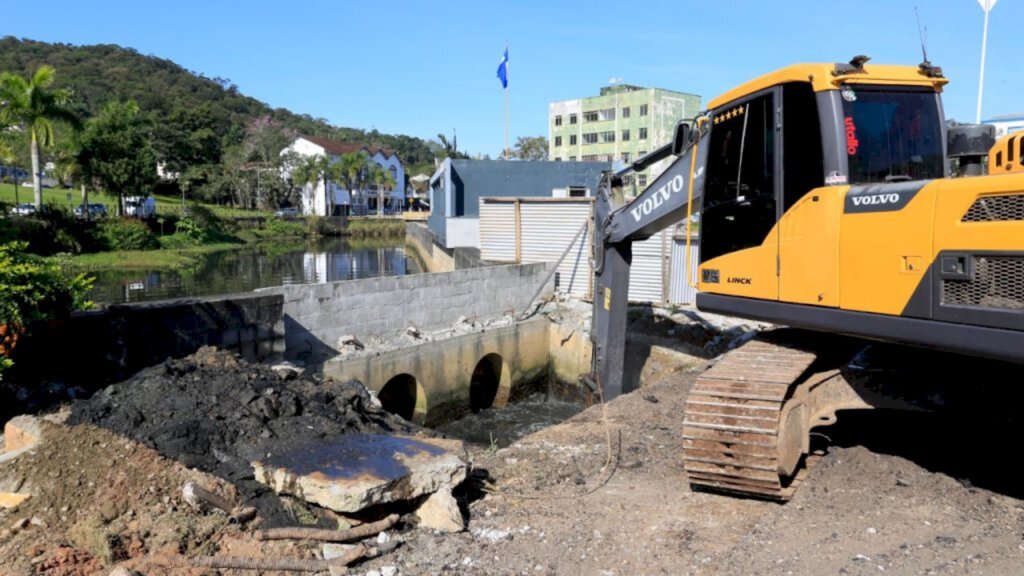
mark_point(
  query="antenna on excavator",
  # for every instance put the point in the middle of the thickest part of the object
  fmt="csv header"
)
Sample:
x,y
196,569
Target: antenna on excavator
x,y
923,33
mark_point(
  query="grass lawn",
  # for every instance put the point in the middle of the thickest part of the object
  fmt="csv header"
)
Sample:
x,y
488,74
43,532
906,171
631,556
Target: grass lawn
x,y
164,204
164,259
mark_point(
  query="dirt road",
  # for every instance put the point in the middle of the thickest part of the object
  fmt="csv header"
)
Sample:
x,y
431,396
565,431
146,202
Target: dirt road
x,y
863,510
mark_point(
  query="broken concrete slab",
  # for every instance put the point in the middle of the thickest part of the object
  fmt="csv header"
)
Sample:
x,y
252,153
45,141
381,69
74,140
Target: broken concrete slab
x,y
12,499
441,512
356,471
21,433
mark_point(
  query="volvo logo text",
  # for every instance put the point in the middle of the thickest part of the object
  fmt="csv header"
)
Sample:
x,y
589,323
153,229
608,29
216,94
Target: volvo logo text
x,y
673,186
875,199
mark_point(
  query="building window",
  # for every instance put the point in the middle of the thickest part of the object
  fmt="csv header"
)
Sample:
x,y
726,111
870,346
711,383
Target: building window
x,y
608,136
643,133
643,109
625,111
590,158
625,135
641,154
606,114
572,118
572,139
625,157
557,159
558,120
641,180
558,140
577,192
572,158
590,138
590,116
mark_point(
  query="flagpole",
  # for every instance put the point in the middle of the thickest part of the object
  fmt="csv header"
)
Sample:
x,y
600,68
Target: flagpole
x,y
506,105
981,77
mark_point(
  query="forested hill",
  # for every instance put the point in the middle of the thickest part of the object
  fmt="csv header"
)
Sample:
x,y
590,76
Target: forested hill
x,y
169,93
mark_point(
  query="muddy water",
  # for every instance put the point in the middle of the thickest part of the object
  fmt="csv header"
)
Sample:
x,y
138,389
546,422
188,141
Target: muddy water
x,y
504,426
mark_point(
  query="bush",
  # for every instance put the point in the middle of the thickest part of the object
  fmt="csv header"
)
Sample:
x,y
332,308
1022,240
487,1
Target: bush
x,y
203,217
376,228
281,228
192,230
32,289
126,234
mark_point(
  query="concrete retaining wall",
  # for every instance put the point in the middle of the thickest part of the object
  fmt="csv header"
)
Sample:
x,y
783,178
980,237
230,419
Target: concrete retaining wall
x,y
443,370
92,349
317,315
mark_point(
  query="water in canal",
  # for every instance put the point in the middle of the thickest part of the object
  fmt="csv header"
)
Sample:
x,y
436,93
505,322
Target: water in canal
x,y
504,426
259,266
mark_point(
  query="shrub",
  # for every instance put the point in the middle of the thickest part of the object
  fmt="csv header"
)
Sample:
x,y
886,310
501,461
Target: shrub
x,y
203,217
282,228
31,289
126,234
192,230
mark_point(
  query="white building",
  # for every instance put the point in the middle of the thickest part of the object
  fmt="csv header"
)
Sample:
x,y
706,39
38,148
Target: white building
x,y
314,198
1006,124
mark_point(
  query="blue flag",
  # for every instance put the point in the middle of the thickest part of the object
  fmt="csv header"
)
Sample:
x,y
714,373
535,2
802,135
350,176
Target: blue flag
x,y
503,70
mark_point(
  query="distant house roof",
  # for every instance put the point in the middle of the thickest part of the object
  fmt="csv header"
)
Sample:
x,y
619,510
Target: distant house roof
x,y
339,148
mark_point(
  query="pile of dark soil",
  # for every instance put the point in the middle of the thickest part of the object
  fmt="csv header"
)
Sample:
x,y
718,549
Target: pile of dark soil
x,y
215,413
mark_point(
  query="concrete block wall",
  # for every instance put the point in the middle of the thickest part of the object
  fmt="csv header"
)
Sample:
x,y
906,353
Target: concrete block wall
x,y
93,348
317,315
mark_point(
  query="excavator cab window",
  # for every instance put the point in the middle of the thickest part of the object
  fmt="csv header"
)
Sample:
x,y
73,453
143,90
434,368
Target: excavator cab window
x,y
739,195
802,157
892,134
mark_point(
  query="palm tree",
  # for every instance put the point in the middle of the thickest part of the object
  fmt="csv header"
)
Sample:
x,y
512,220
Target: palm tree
x,y
383,180
310,171
353,167
30,104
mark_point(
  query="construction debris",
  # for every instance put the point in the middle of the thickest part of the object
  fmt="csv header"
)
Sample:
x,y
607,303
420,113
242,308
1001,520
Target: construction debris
x,y
306,533
357,471
213,412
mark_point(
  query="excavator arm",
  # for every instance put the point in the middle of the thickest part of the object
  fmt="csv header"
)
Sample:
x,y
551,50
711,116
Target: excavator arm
x,y
664,203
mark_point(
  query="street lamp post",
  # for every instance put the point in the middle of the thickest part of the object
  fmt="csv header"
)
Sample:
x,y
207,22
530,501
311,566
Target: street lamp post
x,y
987,6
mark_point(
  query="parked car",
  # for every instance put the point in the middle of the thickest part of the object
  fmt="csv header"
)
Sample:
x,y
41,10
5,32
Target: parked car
x,y
95,211
25,209
140,206
286,212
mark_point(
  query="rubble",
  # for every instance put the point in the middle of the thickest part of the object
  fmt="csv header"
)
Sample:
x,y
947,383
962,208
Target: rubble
x,y
358,471
441,512
215,413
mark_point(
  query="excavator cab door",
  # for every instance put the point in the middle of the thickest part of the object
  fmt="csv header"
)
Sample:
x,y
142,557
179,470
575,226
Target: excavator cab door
x,y
739,242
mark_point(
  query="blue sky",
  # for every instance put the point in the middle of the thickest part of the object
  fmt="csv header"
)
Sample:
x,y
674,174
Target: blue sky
x,y
421,68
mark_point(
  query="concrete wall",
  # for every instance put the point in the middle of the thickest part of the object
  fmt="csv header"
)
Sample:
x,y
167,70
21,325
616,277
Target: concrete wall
x,y
443,370
92,349
463,232
316,316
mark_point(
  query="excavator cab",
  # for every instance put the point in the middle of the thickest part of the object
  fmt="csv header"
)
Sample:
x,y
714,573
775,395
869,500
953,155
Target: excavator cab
x,y
824,204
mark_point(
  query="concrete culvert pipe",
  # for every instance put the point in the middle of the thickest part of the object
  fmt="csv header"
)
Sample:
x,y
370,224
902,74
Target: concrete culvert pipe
x,y
483,387
398,396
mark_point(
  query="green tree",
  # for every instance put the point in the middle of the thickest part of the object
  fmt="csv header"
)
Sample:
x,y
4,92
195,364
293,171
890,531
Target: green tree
x,y
531,148
30,104
115,151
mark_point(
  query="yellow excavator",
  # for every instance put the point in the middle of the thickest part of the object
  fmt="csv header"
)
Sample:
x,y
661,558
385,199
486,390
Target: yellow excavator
x,y
832,199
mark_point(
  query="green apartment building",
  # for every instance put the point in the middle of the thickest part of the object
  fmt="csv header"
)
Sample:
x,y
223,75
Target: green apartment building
x,y
622,124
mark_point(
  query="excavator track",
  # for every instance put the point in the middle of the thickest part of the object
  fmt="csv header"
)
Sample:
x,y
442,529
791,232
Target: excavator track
x,y
733,436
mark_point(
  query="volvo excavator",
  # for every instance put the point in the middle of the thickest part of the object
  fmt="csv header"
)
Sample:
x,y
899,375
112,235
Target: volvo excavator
x,y
834,200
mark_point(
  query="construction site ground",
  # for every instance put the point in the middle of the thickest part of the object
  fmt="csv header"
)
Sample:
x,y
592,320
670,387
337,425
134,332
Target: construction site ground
x,y
899,493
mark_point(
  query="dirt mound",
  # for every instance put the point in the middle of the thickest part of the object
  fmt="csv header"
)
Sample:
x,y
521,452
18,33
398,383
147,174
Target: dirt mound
x,y
97,499
215,413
